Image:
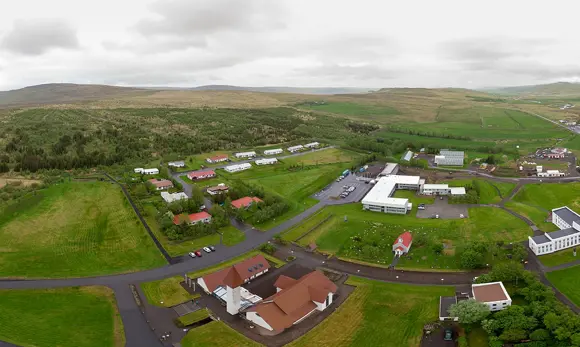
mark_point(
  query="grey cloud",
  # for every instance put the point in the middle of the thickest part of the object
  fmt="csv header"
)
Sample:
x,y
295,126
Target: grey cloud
x,y
203,18
360,72
37,36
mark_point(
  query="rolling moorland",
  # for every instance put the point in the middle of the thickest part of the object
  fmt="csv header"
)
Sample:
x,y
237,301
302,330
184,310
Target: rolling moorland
x,y
57,139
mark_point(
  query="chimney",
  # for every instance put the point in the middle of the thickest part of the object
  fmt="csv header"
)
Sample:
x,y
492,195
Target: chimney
x,y
233,282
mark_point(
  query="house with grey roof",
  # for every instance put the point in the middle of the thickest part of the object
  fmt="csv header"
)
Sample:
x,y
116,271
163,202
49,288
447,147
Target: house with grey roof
x,y
568,236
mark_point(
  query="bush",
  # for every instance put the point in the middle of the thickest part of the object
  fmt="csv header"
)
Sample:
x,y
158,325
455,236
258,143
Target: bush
x,y
290,258
462,341
268,248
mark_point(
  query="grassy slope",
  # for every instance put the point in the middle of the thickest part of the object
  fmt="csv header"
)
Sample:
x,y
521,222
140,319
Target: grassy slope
x,y
216,334
551,195
377,312
80,317
568,282
193,317
74,229
557,258
484,224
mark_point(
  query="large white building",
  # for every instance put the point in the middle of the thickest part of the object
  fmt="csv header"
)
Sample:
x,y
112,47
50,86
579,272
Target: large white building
x,y
312,145
245,154
238,167
551,173
273,151
266,161
441,189
379,197
450,158
568,236
295,148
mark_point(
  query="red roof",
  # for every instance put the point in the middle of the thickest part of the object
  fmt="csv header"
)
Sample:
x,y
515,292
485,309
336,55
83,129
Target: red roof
x,y
201,174
296,300
245,201
194,217
161,183
218,157
405,238
256,264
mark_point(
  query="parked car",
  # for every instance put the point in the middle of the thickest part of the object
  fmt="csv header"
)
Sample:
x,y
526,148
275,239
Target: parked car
x,y
351,189
421,206
212,248
448,336
191,254
207,250
440,198
198,253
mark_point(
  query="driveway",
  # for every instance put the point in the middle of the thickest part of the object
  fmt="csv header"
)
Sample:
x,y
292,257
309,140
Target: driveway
x,y
444,209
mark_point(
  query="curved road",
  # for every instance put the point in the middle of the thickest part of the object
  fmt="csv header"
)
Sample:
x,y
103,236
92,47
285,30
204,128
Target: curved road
x,y
137,331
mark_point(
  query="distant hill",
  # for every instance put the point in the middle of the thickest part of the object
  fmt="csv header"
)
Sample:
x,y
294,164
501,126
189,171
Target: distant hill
x,y
57,93
292,90
552,89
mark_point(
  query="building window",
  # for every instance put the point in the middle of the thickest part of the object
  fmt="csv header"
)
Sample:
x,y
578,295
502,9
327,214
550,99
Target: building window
x,y
327,302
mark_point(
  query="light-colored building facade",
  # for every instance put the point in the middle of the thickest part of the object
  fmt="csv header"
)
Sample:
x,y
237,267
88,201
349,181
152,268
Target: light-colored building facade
x,y
146,171
551,173
266,161
179,163
312,145
493,294
238,167
379,197
172,197
245,154
450,158
273,151
441,189
296,148
390,169
217,159
568,236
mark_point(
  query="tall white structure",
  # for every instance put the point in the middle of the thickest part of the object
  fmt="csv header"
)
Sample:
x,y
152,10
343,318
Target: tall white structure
x,y
273,151
568,236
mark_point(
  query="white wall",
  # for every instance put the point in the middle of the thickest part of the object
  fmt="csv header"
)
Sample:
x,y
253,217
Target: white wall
x,y
498,305
202,284
256,319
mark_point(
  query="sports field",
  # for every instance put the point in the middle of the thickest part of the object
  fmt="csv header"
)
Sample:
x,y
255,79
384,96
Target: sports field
x,y
79,316
378,314
216,334
568,282
368,236
72,230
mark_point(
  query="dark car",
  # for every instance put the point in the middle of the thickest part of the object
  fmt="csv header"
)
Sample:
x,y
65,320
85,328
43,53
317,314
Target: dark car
x,y
198,253
448,336
212,248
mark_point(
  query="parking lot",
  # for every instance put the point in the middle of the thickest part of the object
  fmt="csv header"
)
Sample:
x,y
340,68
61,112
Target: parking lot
x,y
333,191
443,209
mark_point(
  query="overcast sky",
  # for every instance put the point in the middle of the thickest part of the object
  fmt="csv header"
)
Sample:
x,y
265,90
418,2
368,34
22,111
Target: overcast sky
x,y
307,43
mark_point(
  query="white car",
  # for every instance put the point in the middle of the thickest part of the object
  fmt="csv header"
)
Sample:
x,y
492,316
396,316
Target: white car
x,y
207,250
191,254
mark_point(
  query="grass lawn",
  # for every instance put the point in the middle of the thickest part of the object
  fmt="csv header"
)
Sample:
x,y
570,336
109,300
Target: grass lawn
x,y
558,258
79,316
231,235
368,236
309,223
550,195
377,312
193,317
489,192
535,214
568,282
327,156
216,334
166,292
477,337
72,230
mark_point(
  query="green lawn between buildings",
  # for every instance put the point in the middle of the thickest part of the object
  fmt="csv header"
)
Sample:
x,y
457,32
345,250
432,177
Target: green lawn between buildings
x,y
377,312
168,292
568,282
73,230
352,239
216,334
561,257
193,317
79,316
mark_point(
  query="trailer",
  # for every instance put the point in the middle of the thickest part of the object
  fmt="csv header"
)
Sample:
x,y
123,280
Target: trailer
x,y
345,173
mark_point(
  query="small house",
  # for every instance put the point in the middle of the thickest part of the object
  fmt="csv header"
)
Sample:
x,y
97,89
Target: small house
x,y
194,218
161,184
217,158
403,244
245,202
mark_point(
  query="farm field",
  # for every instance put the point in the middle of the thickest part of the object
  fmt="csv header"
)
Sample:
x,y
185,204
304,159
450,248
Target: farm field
x,y
216,334
79,316
92,231
377,312
568,282
368,236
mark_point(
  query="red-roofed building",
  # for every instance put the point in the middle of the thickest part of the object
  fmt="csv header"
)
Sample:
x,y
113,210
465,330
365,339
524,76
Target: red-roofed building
x,y
293,302
217,159
245,201
247,270
161,184
403,243
200,175
194,218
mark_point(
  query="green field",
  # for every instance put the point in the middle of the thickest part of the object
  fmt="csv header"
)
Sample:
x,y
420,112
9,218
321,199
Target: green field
x,y
364,111
79,316
216,334
378,314
368,236
535,214
568,282
477,337
489,192
72,230
550,195
305,226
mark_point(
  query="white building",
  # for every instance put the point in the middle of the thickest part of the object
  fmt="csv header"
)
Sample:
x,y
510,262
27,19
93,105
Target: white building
x,y
238,167
551,173
390,169
171,197
492,294
379,198
450,158
179,163
147,171
568,236
245,154
267,161
273,151
295,148
441,189
312,145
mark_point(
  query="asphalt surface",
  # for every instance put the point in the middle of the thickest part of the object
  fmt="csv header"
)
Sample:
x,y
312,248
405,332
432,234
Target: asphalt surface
x,y
138,332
